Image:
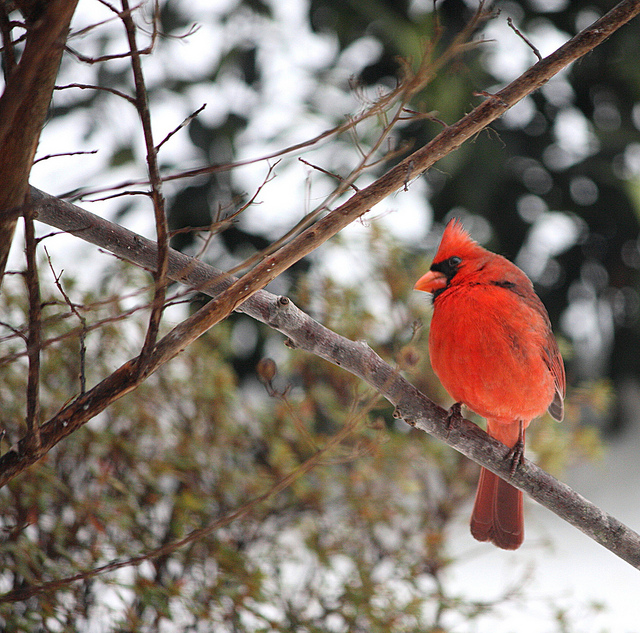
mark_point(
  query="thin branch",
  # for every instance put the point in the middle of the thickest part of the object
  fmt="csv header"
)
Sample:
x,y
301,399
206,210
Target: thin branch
x,y
162,230
15,331
122,194
536,52
104,58
34,335
220,225
83,322
48,156
9,55
188,120
112,91
92,27
358,358
113,9
326,172
96,60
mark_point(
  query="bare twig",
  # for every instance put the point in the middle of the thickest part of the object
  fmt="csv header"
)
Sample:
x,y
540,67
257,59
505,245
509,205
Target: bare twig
x,y
429,116
188,120
536,52
83,323
326,172
162,231
126,13
14,330
112,91
412,83
221,223
96,60
48,156
9,56
122,194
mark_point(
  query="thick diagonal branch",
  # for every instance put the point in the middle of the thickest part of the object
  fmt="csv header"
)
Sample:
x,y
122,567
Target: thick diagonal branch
x,y
417,163
358,358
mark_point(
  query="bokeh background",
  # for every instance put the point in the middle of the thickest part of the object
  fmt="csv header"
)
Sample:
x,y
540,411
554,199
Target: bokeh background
x,y
376,538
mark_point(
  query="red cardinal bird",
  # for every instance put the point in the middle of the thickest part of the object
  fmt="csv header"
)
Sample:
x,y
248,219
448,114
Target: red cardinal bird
x,y
492,347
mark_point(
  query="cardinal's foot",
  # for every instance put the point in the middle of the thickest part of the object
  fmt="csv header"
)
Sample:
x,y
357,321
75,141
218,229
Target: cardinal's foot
x,y
516,456
454,416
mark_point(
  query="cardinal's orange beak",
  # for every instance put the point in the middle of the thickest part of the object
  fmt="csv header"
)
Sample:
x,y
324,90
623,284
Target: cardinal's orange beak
x,y
431,282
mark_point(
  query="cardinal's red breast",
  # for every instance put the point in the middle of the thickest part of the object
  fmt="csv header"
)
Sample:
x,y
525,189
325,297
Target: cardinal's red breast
x,y
491,345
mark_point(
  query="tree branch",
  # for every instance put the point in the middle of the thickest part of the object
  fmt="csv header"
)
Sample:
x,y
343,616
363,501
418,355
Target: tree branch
x,y
162,230
358,358
34,338
24,104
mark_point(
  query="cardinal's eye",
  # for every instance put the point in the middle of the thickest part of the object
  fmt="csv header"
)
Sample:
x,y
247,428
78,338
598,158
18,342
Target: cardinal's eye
x,y
448,267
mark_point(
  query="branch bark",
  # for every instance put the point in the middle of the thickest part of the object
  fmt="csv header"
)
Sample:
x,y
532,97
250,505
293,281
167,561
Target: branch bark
x,y
358,358
24,105
156,195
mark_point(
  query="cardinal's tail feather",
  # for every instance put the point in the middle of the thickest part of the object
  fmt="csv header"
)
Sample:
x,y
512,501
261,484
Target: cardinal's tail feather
x,y
498,514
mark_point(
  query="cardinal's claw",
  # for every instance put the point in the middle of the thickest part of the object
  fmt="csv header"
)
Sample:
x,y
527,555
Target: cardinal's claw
x,y
516,457
516,454
454,416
